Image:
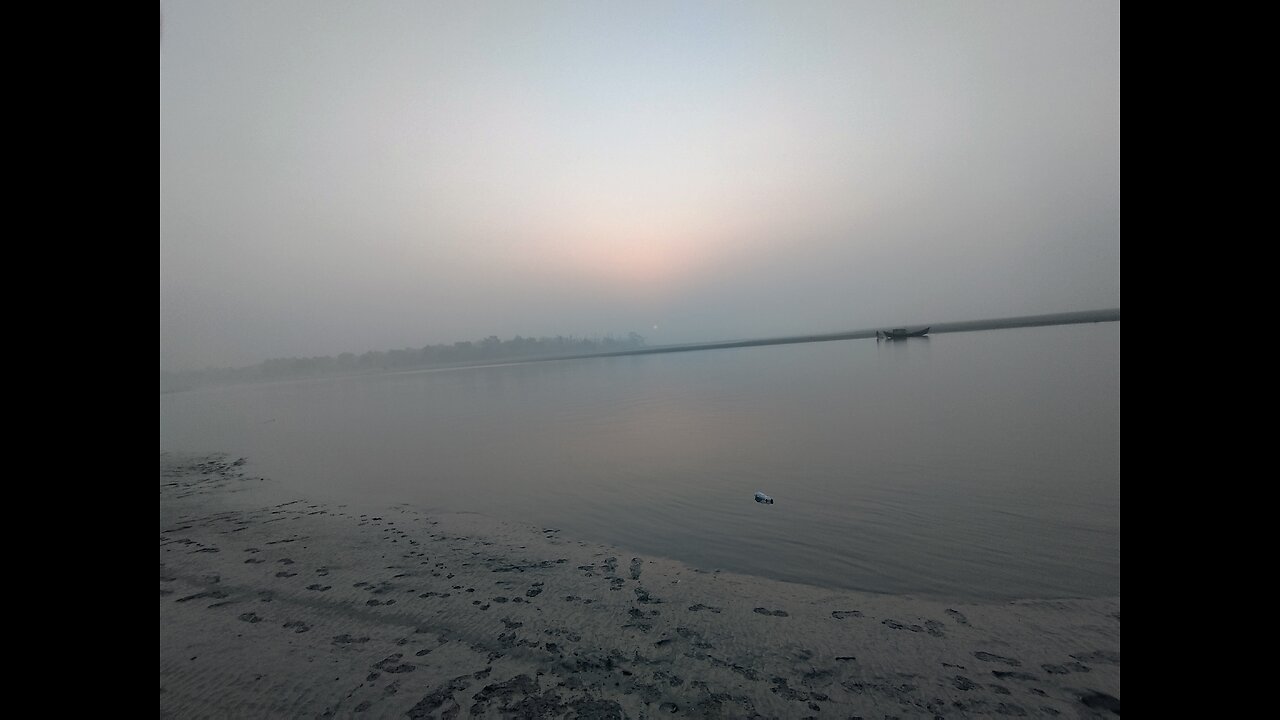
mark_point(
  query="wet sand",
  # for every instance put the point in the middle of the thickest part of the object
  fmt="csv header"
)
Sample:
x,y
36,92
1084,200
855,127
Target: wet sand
x,y
297,609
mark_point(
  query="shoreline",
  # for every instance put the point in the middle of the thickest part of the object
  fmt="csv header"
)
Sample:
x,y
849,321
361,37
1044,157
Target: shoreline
x,y
299,608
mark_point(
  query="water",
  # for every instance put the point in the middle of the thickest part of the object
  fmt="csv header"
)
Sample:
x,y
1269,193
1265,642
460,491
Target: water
x,y
967,465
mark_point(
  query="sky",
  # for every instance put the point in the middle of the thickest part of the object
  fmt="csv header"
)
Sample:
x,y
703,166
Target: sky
x,y
342,177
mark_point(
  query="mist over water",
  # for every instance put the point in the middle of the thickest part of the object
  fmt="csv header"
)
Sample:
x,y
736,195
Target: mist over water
x,y
968,465
342,177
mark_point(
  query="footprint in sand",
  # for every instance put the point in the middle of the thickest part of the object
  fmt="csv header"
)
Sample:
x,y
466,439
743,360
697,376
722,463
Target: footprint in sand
x,y
961,682
1014,675
817,676
1065,668
643,596
786,692
700,606
345,639
993,658
215,594
958,616
775,613
250,617
842,614
392,664
297,626
636,565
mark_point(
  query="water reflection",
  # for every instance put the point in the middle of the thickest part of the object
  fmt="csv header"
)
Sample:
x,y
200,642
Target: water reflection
x,y
972,465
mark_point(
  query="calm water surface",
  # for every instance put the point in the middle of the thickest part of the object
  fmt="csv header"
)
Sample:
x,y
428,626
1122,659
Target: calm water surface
x,y
967,465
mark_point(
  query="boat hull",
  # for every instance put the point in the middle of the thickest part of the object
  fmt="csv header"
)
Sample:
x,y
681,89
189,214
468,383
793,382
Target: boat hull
x,y
902,333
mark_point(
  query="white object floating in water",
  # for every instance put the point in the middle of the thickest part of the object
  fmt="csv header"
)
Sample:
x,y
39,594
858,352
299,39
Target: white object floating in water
x,y
762,498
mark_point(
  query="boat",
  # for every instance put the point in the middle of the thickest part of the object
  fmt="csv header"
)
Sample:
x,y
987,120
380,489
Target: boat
x,y
901,333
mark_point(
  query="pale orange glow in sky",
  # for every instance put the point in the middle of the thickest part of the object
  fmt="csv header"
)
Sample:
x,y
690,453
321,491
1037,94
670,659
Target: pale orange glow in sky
x,y
638,260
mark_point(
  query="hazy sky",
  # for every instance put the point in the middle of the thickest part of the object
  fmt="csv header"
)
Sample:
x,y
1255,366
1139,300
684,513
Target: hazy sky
x,y
345,176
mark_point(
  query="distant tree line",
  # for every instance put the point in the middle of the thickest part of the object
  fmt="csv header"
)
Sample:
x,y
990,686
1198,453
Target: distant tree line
x,y
490,349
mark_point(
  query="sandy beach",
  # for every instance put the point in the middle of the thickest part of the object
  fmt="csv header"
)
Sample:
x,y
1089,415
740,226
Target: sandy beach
x,y
298,609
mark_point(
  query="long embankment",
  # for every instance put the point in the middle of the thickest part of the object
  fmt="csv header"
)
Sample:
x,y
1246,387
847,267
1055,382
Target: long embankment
x,y
1071,318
